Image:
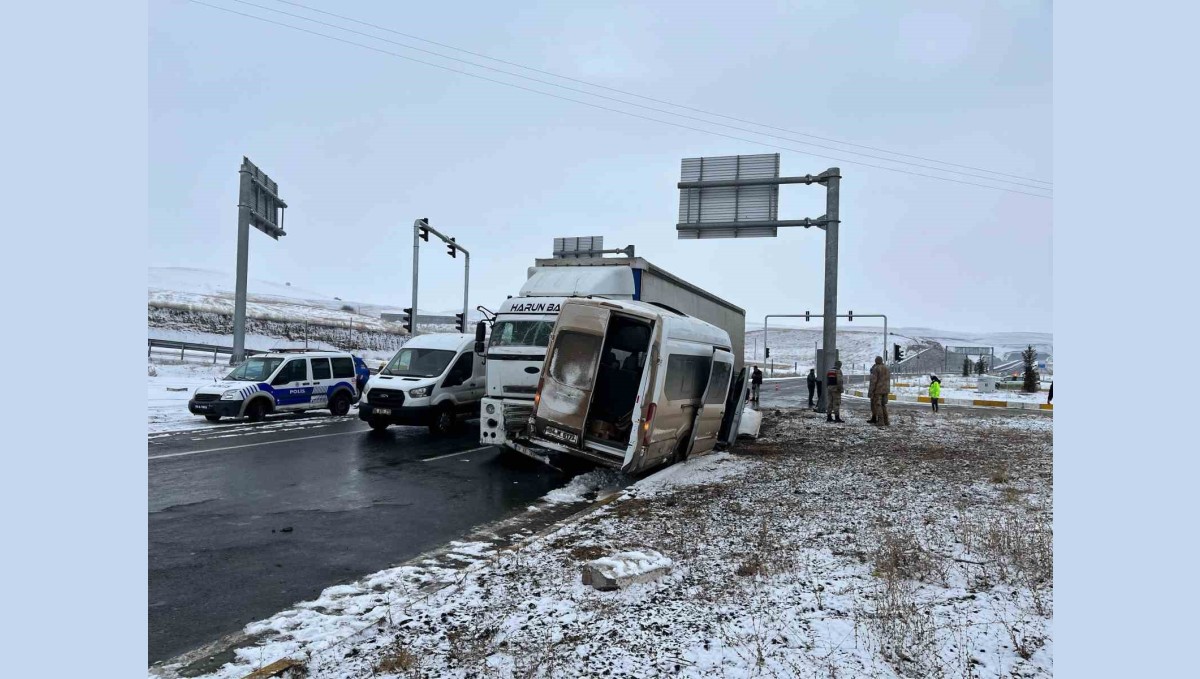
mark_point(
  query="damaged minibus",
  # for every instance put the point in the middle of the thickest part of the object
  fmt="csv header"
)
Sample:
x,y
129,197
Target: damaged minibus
x,y
632,385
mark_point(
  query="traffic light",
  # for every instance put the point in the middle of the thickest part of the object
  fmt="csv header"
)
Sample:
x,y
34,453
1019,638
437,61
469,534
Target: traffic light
x,y
767,352
899,353
806,319
408,320
460,323
424,230
453,252
851,315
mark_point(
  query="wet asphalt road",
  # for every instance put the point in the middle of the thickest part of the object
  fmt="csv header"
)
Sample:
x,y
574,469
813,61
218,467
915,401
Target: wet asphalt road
x,y
247,519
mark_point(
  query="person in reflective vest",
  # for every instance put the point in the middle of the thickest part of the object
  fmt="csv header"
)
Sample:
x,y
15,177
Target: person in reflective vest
x,y
935,391
834,383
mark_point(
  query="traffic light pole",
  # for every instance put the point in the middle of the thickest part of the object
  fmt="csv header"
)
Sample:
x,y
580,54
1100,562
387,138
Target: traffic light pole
x,y
416,264
466,286
421,230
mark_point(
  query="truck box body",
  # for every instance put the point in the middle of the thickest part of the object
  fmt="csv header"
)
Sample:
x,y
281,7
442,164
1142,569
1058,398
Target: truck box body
x,y
636,279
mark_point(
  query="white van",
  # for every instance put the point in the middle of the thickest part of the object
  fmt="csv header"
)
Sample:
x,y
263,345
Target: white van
x,y
632,385
432,381
281,381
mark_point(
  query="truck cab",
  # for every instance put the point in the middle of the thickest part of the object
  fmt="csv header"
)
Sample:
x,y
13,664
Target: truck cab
x,y
515,352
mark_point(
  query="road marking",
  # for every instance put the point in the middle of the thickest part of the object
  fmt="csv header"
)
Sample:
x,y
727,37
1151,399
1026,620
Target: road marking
x,y
461,452
251,445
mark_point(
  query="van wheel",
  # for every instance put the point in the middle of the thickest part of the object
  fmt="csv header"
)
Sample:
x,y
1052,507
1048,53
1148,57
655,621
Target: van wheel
x,y
443,420
340,404
378,424
257,410
212,418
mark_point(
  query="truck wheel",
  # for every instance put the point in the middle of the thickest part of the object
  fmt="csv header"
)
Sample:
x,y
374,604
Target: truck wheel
x,y
340,404
443,420
212,418
257,410
378,424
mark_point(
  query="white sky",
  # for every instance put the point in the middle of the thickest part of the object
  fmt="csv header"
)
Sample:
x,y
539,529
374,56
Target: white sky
x,y
363,143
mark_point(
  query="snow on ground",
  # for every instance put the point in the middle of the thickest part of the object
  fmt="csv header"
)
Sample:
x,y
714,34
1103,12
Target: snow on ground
x,y
919,550
168,389
957,386
584,486
859,346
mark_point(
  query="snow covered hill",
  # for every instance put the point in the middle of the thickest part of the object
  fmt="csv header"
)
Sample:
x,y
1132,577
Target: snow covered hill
x,y
197,305
859,346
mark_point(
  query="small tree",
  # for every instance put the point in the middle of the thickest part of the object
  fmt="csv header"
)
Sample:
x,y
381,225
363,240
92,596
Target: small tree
x,y
966,366
980,366
1029,356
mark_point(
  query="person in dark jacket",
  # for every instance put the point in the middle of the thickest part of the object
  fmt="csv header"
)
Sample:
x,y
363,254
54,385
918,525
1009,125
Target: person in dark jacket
x,y
1050,396
756,379
812,386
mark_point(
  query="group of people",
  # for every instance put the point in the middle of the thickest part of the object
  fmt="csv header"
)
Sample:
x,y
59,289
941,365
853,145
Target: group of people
x,y
879,389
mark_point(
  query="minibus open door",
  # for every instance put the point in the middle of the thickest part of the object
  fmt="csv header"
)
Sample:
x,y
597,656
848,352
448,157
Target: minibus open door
x,y
568,380
707,423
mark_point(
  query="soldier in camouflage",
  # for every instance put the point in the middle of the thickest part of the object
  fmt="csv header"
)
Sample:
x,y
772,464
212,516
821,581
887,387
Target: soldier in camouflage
x,y
834,383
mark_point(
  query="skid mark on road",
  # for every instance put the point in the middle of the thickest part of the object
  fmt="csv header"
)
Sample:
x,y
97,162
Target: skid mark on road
x,y
461,452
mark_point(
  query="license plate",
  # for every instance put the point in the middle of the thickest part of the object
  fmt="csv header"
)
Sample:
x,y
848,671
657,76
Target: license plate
x,y
200,407
565,436
383,411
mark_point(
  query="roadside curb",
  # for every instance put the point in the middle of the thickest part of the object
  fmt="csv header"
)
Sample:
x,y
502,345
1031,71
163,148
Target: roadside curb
x,y
977,402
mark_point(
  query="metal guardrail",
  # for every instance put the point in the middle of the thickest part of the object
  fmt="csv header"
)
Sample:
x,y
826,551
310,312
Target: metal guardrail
x,y
184,347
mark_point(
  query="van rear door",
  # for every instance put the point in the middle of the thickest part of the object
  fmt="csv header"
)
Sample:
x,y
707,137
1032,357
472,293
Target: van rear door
x,y
569,373
712,405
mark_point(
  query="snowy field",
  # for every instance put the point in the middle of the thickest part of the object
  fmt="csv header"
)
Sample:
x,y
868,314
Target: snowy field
x,y
859,344
920,550
168,388
961,387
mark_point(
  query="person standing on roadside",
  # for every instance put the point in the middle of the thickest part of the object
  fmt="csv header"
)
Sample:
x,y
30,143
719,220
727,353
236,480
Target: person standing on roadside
x,y
834,382
1049,397
812,385
756,379
935,391
880,387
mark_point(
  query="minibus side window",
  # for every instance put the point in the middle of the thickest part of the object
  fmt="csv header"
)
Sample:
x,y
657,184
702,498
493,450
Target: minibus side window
x,y
686,376
720,379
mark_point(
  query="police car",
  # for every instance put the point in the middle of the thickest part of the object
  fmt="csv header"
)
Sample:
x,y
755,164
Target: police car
x,y
283,382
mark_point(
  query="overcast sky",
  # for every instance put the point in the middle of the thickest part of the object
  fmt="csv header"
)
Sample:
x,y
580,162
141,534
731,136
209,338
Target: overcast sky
x,y
362,143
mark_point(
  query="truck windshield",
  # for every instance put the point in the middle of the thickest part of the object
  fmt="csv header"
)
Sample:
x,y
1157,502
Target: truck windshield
x,y
254,370
419,362
521,333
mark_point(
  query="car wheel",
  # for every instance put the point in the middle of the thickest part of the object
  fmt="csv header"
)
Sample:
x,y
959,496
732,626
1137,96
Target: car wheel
x,y
257,410
378,424
212,418
443,420
340,404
